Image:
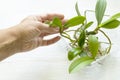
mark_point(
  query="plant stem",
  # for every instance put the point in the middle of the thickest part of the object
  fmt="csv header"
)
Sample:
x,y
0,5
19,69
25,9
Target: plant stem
x,y
70,30
93,32
87,11
75,33
66,36
85,14
108,40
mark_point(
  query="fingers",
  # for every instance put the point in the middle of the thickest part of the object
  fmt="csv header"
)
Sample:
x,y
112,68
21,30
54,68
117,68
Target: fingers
x,y
42,35
51,16
44,28
48,42
64,21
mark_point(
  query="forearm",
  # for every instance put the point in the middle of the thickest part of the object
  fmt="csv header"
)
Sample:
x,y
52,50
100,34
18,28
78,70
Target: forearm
x,y
8,39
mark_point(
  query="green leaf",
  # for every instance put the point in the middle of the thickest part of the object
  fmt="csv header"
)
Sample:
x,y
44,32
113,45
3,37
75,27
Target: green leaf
x,y
116,16
80,63
81,39
110,24
88,24
100,10
77,9
56,22
73,53
93,45
74,21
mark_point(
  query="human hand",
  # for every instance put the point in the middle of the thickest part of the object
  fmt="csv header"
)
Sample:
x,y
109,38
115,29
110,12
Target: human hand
x,y
32,30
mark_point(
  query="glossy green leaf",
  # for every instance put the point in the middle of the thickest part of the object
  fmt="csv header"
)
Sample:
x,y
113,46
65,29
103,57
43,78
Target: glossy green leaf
x,y
56,22
110,24
74,21
93,45
100,10
116,16
73,53
80,63
77,9
81,39
88,24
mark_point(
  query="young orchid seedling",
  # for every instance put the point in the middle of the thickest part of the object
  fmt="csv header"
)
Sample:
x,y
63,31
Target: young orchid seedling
x,y
85,46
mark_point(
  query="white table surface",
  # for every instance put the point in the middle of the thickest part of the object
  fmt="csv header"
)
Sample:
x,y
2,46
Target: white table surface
x,y
50,62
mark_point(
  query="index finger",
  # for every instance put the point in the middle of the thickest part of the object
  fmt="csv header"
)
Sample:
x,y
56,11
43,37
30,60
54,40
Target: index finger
x,y
51,16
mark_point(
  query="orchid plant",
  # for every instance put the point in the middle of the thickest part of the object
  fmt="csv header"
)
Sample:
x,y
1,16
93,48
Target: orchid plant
x,y
85,46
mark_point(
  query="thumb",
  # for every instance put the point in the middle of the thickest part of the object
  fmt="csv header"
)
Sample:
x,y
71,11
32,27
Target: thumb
x,y
48,42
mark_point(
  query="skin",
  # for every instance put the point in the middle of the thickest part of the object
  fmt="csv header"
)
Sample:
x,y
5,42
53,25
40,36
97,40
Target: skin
x,y
28,34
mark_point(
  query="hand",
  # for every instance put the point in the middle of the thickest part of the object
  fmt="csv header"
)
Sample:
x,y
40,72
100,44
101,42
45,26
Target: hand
x,y
27,35
32,30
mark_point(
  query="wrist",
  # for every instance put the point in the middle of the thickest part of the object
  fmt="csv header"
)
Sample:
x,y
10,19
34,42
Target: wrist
x,y
8,40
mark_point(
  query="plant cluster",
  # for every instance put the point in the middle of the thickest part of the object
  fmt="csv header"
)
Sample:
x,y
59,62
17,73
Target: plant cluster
x,y
85,46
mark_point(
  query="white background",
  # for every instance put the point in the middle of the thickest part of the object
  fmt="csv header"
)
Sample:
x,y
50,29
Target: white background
x,y
50,62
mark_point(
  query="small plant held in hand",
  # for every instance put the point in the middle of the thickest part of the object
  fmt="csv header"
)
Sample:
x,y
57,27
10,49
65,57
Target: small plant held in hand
x,y
85,46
